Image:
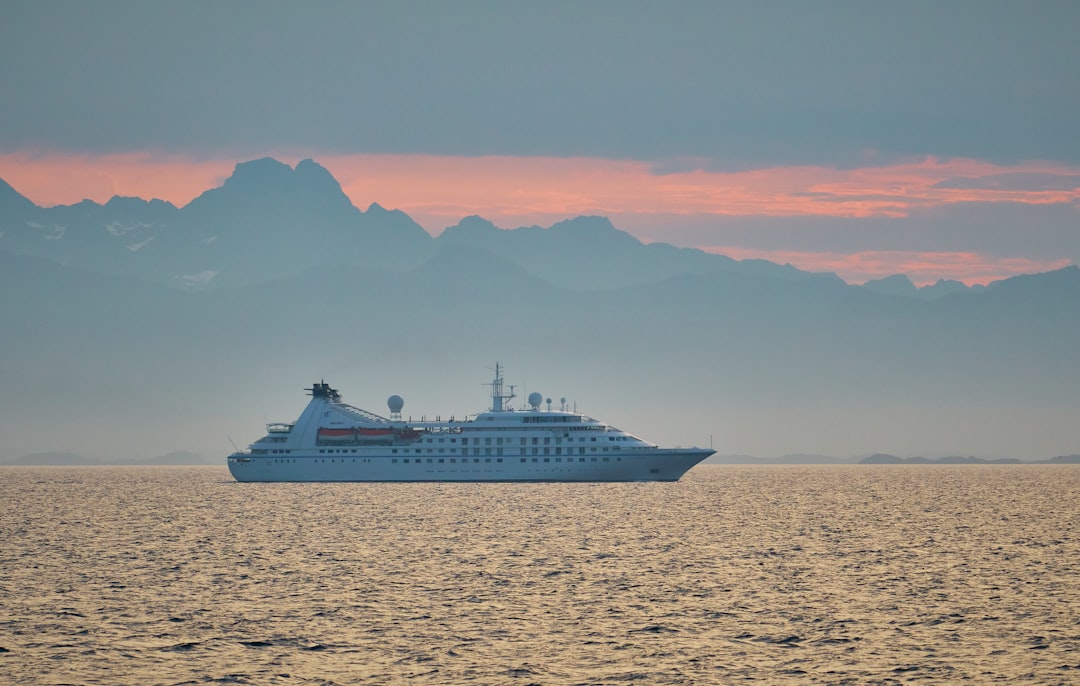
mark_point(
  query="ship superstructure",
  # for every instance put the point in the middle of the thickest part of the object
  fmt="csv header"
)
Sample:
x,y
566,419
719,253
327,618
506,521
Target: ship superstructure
x,y
334,441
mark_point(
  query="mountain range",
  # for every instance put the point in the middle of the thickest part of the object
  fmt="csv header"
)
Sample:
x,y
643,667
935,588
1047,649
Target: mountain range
x,y
269,220
139,328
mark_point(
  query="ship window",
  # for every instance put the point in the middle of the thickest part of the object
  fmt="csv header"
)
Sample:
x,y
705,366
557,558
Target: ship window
x,y
558,459
498,459
476,460
406,460
523,459
428,460
547,441
452,460
394,450
535,460
393,460
605,459
441,460
534,440
442,450
487,441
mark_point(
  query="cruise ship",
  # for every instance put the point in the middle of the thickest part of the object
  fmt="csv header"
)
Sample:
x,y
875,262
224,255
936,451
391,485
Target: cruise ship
x,y
334,441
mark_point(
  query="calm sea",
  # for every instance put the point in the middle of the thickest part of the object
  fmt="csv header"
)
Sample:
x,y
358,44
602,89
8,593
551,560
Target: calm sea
x,y
791,575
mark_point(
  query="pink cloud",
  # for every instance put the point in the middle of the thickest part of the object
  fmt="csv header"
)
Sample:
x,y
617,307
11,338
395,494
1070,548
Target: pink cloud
x,y
511,191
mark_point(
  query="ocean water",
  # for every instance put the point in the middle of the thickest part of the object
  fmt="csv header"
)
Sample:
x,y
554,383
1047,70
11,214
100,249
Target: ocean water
x,y
763,575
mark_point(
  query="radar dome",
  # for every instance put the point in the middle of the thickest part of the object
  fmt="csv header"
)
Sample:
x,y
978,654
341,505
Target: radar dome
x,y
395,403
535,399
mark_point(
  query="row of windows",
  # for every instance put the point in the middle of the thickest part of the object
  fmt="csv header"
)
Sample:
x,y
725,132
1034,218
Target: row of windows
x,y
475,451
464,451
442,460
549,419
535,440
453,460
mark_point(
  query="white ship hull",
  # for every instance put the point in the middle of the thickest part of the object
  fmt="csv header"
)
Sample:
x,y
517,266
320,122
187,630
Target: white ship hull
x,y
658,464
333,441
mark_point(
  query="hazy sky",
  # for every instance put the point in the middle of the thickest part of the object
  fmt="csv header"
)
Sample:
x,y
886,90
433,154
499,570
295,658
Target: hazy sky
x,y
867,138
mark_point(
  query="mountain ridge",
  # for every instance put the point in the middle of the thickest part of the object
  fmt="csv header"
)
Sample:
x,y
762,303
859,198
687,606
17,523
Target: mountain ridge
x,y
269,219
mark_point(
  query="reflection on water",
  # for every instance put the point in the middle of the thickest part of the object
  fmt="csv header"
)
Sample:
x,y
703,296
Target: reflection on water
x,y
818,574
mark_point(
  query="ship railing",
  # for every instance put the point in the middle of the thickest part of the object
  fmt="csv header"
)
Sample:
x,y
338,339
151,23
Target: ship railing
x,y
370,416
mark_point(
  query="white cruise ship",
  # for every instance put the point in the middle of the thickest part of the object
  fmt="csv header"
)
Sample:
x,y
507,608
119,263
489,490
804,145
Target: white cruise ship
x,y
333,441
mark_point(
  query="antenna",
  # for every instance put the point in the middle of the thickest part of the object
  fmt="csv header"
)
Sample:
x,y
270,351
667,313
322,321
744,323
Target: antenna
x,y
233,444
498,398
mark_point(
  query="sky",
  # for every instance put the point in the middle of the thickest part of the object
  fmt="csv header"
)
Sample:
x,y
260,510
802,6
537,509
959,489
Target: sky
x,y
936,139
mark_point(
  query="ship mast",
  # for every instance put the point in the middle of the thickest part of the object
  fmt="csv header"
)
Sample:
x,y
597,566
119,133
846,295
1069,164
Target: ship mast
x,y
498,398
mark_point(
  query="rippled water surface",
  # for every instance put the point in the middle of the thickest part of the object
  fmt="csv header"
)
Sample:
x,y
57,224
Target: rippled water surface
x,y
830,575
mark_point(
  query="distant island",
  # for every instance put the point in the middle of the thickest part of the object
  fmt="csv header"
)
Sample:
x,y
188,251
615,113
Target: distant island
x,y
882,458
65,459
